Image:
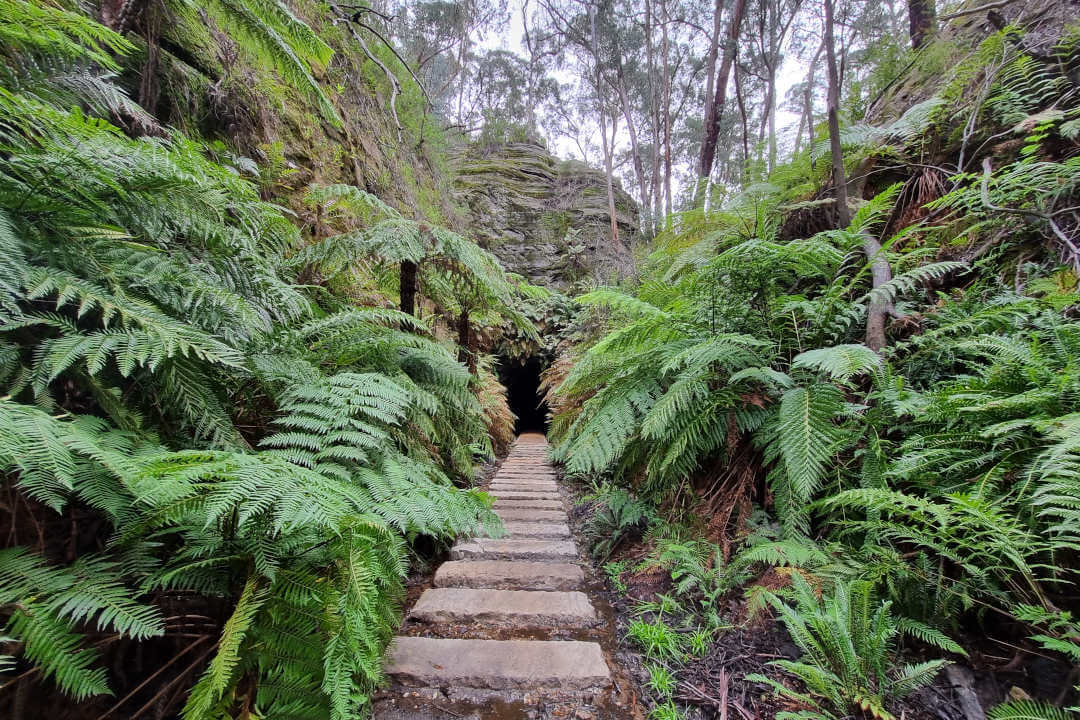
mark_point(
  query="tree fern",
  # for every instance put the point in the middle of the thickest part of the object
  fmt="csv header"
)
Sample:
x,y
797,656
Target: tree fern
x,y
49,30
801,438
238,438
48,603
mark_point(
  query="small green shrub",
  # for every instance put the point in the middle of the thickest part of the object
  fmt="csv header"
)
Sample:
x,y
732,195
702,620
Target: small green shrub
x,y
668,711
657,640
849,657
661,680
614,571
618,514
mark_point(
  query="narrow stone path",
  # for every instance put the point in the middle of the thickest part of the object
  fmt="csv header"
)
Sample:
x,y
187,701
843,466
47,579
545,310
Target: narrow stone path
x,y
506,631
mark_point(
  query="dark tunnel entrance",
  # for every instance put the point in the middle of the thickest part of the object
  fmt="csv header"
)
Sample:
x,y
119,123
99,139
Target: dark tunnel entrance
x,y
522,380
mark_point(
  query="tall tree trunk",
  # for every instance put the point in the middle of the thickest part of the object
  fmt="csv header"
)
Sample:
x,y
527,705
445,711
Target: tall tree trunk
x,y
667,114
920,21
714,110
745,125
702,189
608,151
408,287
798,132
808,102
635,148
149,87
466,352
654,122
772,118
880,271
843,216
609,171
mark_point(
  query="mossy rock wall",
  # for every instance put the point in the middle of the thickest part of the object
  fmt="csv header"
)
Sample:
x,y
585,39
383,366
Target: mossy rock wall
x,y
546,219
209,87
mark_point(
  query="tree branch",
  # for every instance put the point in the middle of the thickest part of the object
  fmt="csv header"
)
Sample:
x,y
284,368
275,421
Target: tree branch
x,y
976,10
984,188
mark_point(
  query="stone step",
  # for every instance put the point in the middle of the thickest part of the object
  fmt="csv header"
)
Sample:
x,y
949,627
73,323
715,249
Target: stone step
x,y
527,495
531,515
523,473
526,479
509,575
537,530
497,485
520,608
508,504
502,492
497,664
514,549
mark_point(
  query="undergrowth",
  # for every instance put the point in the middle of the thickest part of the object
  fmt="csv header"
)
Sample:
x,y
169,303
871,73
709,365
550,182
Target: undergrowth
x,y
741,435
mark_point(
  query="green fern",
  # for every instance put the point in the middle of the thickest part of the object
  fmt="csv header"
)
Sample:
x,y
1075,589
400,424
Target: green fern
x,y
1028,710
841,362
847,640
47,604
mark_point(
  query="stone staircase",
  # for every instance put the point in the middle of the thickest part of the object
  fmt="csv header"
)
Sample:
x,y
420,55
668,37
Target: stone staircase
x,y
507,630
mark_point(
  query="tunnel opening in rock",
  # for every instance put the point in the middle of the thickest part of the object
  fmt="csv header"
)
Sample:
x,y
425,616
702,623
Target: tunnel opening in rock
x,y
521,376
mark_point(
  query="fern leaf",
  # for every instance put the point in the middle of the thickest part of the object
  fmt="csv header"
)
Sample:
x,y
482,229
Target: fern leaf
x,y
841,362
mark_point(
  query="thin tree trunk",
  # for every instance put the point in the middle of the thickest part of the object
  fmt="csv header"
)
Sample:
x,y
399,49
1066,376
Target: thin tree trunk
x,y
714,111
745,125
798,132
609,171
608,151
710,87
920,21
667,116
843,215
654,124
408,287
466,352
880,271
772,118
808,101
635,149
149,87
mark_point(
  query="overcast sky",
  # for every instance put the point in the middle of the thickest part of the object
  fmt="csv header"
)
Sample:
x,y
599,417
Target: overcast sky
x,y
512,39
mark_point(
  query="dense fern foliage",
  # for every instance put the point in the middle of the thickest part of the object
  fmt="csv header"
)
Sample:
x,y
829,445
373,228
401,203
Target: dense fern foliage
x,y
731,390
243,453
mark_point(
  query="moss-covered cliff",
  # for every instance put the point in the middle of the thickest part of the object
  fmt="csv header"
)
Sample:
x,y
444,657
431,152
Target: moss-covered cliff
x,y
194,77
545,218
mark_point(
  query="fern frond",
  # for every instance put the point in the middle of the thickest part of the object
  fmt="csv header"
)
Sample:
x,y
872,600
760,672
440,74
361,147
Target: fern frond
x,y
840,362
1027,710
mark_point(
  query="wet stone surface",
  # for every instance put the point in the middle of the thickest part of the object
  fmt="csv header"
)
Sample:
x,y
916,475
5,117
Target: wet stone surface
x,y
510,627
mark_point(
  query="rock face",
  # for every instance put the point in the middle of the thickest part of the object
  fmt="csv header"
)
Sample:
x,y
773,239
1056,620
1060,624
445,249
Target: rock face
x,y
545,218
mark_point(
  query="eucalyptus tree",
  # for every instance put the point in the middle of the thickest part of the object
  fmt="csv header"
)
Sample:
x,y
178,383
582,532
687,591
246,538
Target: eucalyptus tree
x,y
716,90
440,38
583,29
773,20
